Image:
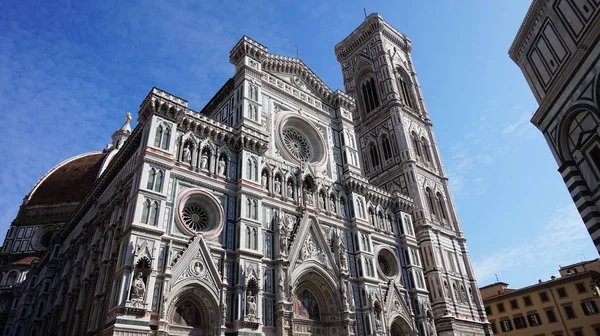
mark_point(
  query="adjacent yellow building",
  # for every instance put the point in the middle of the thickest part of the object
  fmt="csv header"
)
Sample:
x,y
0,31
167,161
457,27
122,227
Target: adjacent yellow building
x,y
568,305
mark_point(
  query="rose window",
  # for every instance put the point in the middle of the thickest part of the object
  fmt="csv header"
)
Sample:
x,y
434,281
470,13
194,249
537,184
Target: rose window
x,y
195,217
387,263
296,143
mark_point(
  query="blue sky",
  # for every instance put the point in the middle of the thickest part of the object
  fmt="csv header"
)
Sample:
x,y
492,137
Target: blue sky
x,y
70,70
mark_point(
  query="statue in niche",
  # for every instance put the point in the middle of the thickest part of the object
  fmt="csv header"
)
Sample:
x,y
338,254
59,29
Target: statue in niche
x,y
290,190
263,181
224,311
282,231
344,295
187,154
430,326
290,221
281,286
308,198
222,166
138,288
342,250
277,186
322,201
251,305
332,205
197,268
204,161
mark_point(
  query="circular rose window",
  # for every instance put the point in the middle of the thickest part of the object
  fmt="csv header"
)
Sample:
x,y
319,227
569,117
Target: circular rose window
x,y
296,144
199,211
387,263
299,140
195,217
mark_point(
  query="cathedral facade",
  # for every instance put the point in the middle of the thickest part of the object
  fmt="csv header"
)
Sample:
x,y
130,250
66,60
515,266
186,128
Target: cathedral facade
x,y
281,208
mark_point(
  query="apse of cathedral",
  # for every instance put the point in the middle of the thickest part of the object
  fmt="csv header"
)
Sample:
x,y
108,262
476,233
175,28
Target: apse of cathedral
x,y
281,208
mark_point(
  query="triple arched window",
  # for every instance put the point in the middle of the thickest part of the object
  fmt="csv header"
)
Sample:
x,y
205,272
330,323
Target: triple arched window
x,y
150,212
252,238
155,179
369,95
252,209
162,137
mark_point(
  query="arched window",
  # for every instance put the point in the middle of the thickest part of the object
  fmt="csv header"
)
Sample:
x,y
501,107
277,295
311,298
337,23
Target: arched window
x,y
254,238
248,237
153,220
159,181
166,136
369,95
425,149
374,155
387,149
361,209
151,178
440,202
146,211
254,209
158,136
583,138
405,91
430,201
249,169
416,145
371,216
249,208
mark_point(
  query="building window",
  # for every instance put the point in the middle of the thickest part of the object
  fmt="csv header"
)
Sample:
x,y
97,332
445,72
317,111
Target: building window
x,y
589,307
505,325
572,271
534,319
577,333
162,136
387,149
369,95
514,304
544,297
527,301
374,155
425,149
561,292
405,90
440,202
551,316
155,180
416,145
430,201
520,322
488,310
252,169
580,287
494,329
500,307
569,311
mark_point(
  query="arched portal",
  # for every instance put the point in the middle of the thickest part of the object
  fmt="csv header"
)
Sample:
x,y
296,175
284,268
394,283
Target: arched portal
x,y
317,306
193,311
400,327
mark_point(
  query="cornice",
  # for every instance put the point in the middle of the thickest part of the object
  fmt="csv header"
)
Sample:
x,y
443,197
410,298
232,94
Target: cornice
x,y
531,19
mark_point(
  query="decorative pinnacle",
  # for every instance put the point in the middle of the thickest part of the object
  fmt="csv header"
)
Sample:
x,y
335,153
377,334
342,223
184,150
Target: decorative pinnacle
x,y
128,117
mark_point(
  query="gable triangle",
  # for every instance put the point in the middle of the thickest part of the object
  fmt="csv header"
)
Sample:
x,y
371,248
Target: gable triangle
x,y
310,245
195,264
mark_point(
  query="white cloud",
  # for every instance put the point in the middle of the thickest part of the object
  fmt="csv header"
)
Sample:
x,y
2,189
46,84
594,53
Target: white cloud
x,y
561,241
520,127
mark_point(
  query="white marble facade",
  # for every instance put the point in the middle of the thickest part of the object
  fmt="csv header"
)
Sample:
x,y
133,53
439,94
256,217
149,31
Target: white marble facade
x,y
279,209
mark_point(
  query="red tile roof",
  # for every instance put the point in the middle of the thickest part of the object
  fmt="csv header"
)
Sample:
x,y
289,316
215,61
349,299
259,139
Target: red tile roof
x,y
69,183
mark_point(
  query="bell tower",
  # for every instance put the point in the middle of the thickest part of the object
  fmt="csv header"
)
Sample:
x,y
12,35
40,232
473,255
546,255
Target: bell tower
x,y
399,153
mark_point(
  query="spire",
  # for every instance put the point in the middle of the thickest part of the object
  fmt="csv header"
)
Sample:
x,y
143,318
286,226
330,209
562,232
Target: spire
x,y
120,135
